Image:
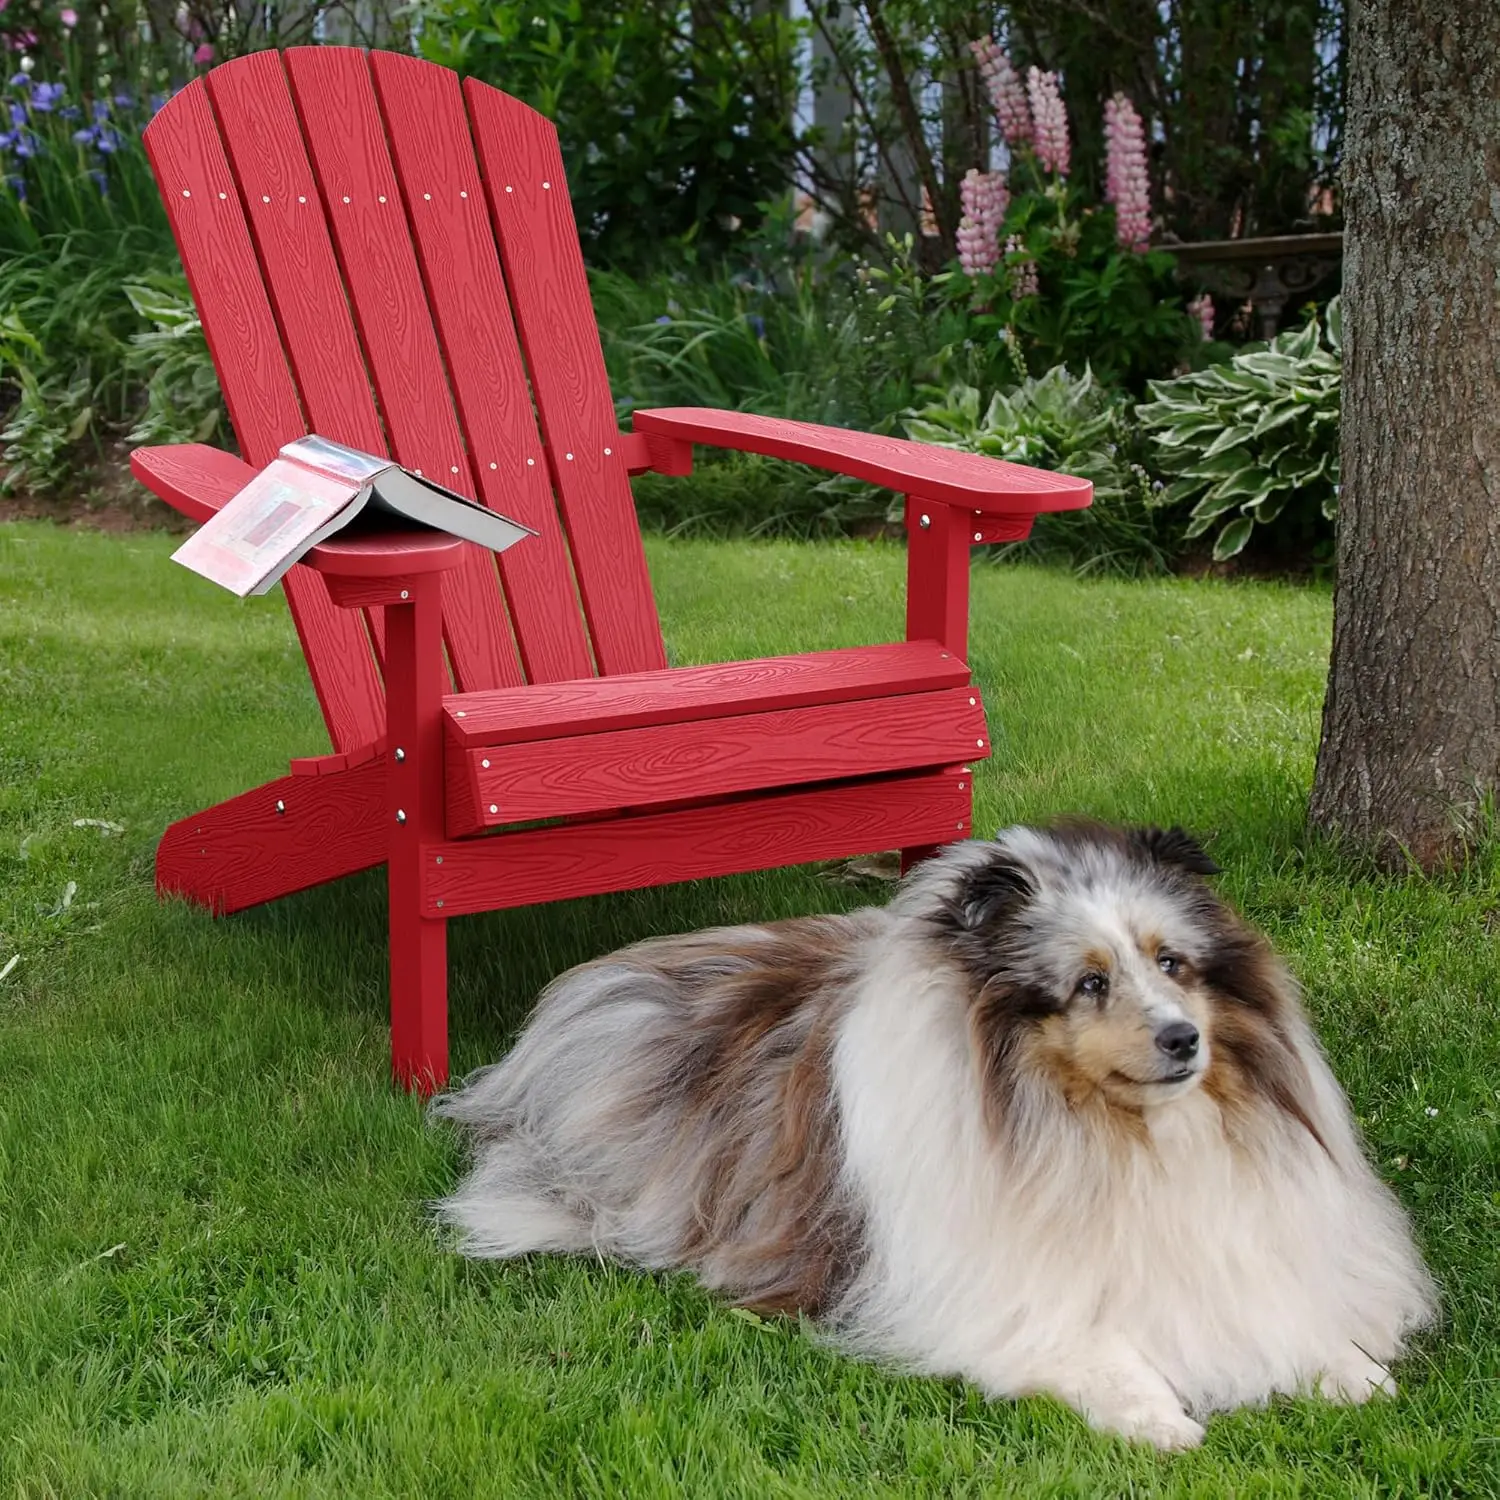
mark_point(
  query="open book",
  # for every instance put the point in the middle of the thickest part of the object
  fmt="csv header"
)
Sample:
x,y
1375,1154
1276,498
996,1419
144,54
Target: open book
x,y
313,489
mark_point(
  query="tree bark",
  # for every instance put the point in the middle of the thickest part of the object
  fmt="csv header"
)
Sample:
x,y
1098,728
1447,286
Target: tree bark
x,y
1411,725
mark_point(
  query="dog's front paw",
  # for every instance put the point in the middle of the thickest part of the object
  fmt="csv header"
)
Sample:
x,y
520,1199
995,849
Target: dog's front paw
x,y
1354,1378
1166,1427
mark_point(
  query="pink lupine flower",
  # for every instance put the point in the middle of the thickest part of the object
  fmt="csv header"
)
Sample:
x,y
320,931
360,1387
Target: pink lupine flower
x,y
69,17
1023,275
1049,121
1202,308
1127,184
1007,96
985,200
202,54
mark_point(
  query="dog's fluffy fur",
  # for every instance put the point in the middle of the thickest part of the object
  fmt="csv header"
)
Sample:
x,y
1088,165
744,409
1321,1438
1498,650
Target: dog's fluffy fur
x,y
970,1133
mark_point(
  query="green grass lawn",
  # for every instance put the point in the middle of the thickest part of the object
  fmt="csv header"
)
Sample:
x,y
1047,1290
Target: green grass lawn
x,y
217,1275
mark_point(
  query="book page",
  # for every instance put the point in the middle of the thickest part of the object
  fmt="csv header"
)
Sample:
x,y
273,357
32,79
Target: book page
x,y
266,523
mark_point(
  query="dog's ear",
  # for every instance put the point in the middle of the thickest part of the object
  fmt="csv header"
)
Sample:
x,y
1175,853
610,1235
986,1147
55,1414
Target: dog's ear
x,y
1172,846
989,894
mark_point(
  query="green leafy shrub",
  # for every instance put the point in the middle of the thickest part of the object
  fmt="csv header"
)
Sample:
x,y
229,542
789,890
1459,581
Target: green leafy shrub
x,y
170,358
93,330
850,344
1070,425
1255,441
675,128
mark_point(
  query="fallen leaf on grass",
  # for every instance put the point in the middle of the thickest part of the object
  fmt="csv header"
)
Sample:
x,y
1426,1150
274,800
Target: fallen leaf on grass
x,y
69,891
886,866
102,824
14,959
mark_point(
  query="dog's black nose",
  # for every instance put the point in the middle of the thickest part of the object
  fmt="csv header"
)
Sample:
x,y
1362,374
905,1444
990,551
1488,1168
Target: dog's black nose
x,y
1179,1040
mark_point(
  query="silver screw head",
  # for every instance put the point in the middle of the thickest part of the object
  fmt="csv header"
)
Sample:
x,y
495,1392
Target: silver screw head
x,y
280,807
924,522
400,815
401,754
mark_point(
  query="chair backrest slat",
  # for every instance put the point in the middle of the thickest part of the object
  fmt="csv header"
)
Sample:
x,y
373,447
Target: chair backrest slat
x,y
203,207
428,133
345,137
340,236
533,217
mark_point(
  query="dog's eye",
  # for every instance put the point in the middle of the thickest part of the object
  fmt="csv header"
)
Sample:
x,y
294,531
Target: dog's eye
x,y
1168,963
1093,984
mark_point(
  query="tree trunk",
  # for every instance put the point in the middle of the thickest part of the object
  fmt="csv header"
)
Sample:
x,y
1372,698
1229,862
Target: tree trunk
x,y
1411,726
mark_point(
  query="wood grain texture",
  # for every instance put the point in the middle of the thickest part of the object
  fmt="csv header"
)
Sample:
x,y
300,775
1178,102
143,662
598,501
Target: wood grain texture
x,y
345,137
428,132
937,574
753,833
243,852
548,711
208,223
632,768
966,479
533,218
193,478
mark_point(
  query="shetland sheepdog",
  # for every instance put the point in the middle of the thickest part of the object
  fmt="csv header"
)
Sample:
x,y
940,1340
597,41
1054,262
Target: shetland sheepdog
x,y
1053,1120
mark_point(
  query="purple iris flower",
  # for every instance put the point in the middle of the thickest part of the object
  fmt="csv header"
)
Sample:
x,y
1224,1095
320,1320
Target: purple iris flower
x,y
85,137
664,319
101,110
18,185
124,101
18,114
107,140
100,179
758,323
8,139
157,100
69,112
27,144
20,80
45,95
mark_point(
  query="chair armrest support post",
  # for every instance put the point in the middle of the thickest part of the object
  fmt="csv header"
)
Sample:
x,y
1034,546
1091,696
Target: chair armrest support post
x,y
937,575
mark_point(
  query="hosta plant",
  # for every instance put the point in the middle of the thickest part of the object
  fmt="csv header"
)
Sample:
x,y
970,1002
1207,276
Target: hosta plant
x,y
1072,425
1254,440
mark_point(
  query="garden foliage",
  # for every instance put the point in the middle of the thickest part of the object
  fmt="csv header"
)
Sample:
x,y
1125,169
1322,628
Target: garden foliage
x,y
1255,441
1071,425
676,128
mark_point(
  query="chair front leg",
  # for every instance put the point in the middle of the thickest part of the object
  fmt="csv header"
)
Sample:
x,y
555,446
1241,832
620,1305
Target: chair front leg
x,y
416,679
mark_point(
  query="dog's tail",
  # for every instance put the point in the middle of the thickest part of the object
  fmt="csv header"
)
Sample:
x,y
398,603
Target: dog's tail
x,y
568,1130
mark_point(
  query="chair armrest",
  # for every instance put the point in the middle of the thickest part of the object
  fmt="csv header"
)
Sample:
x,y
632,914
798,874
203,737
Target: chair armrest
x,y
987,486
363,570
191,477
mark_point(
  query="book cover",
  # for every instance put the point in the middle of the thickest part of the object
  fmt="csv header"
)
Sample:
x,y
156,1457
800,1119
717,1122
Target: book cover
x,y
312,490
274,519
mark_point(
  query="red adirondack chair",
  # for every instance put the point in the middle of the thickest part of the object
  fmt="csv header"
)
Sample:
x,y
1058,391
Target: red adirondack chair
x,y
389,258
